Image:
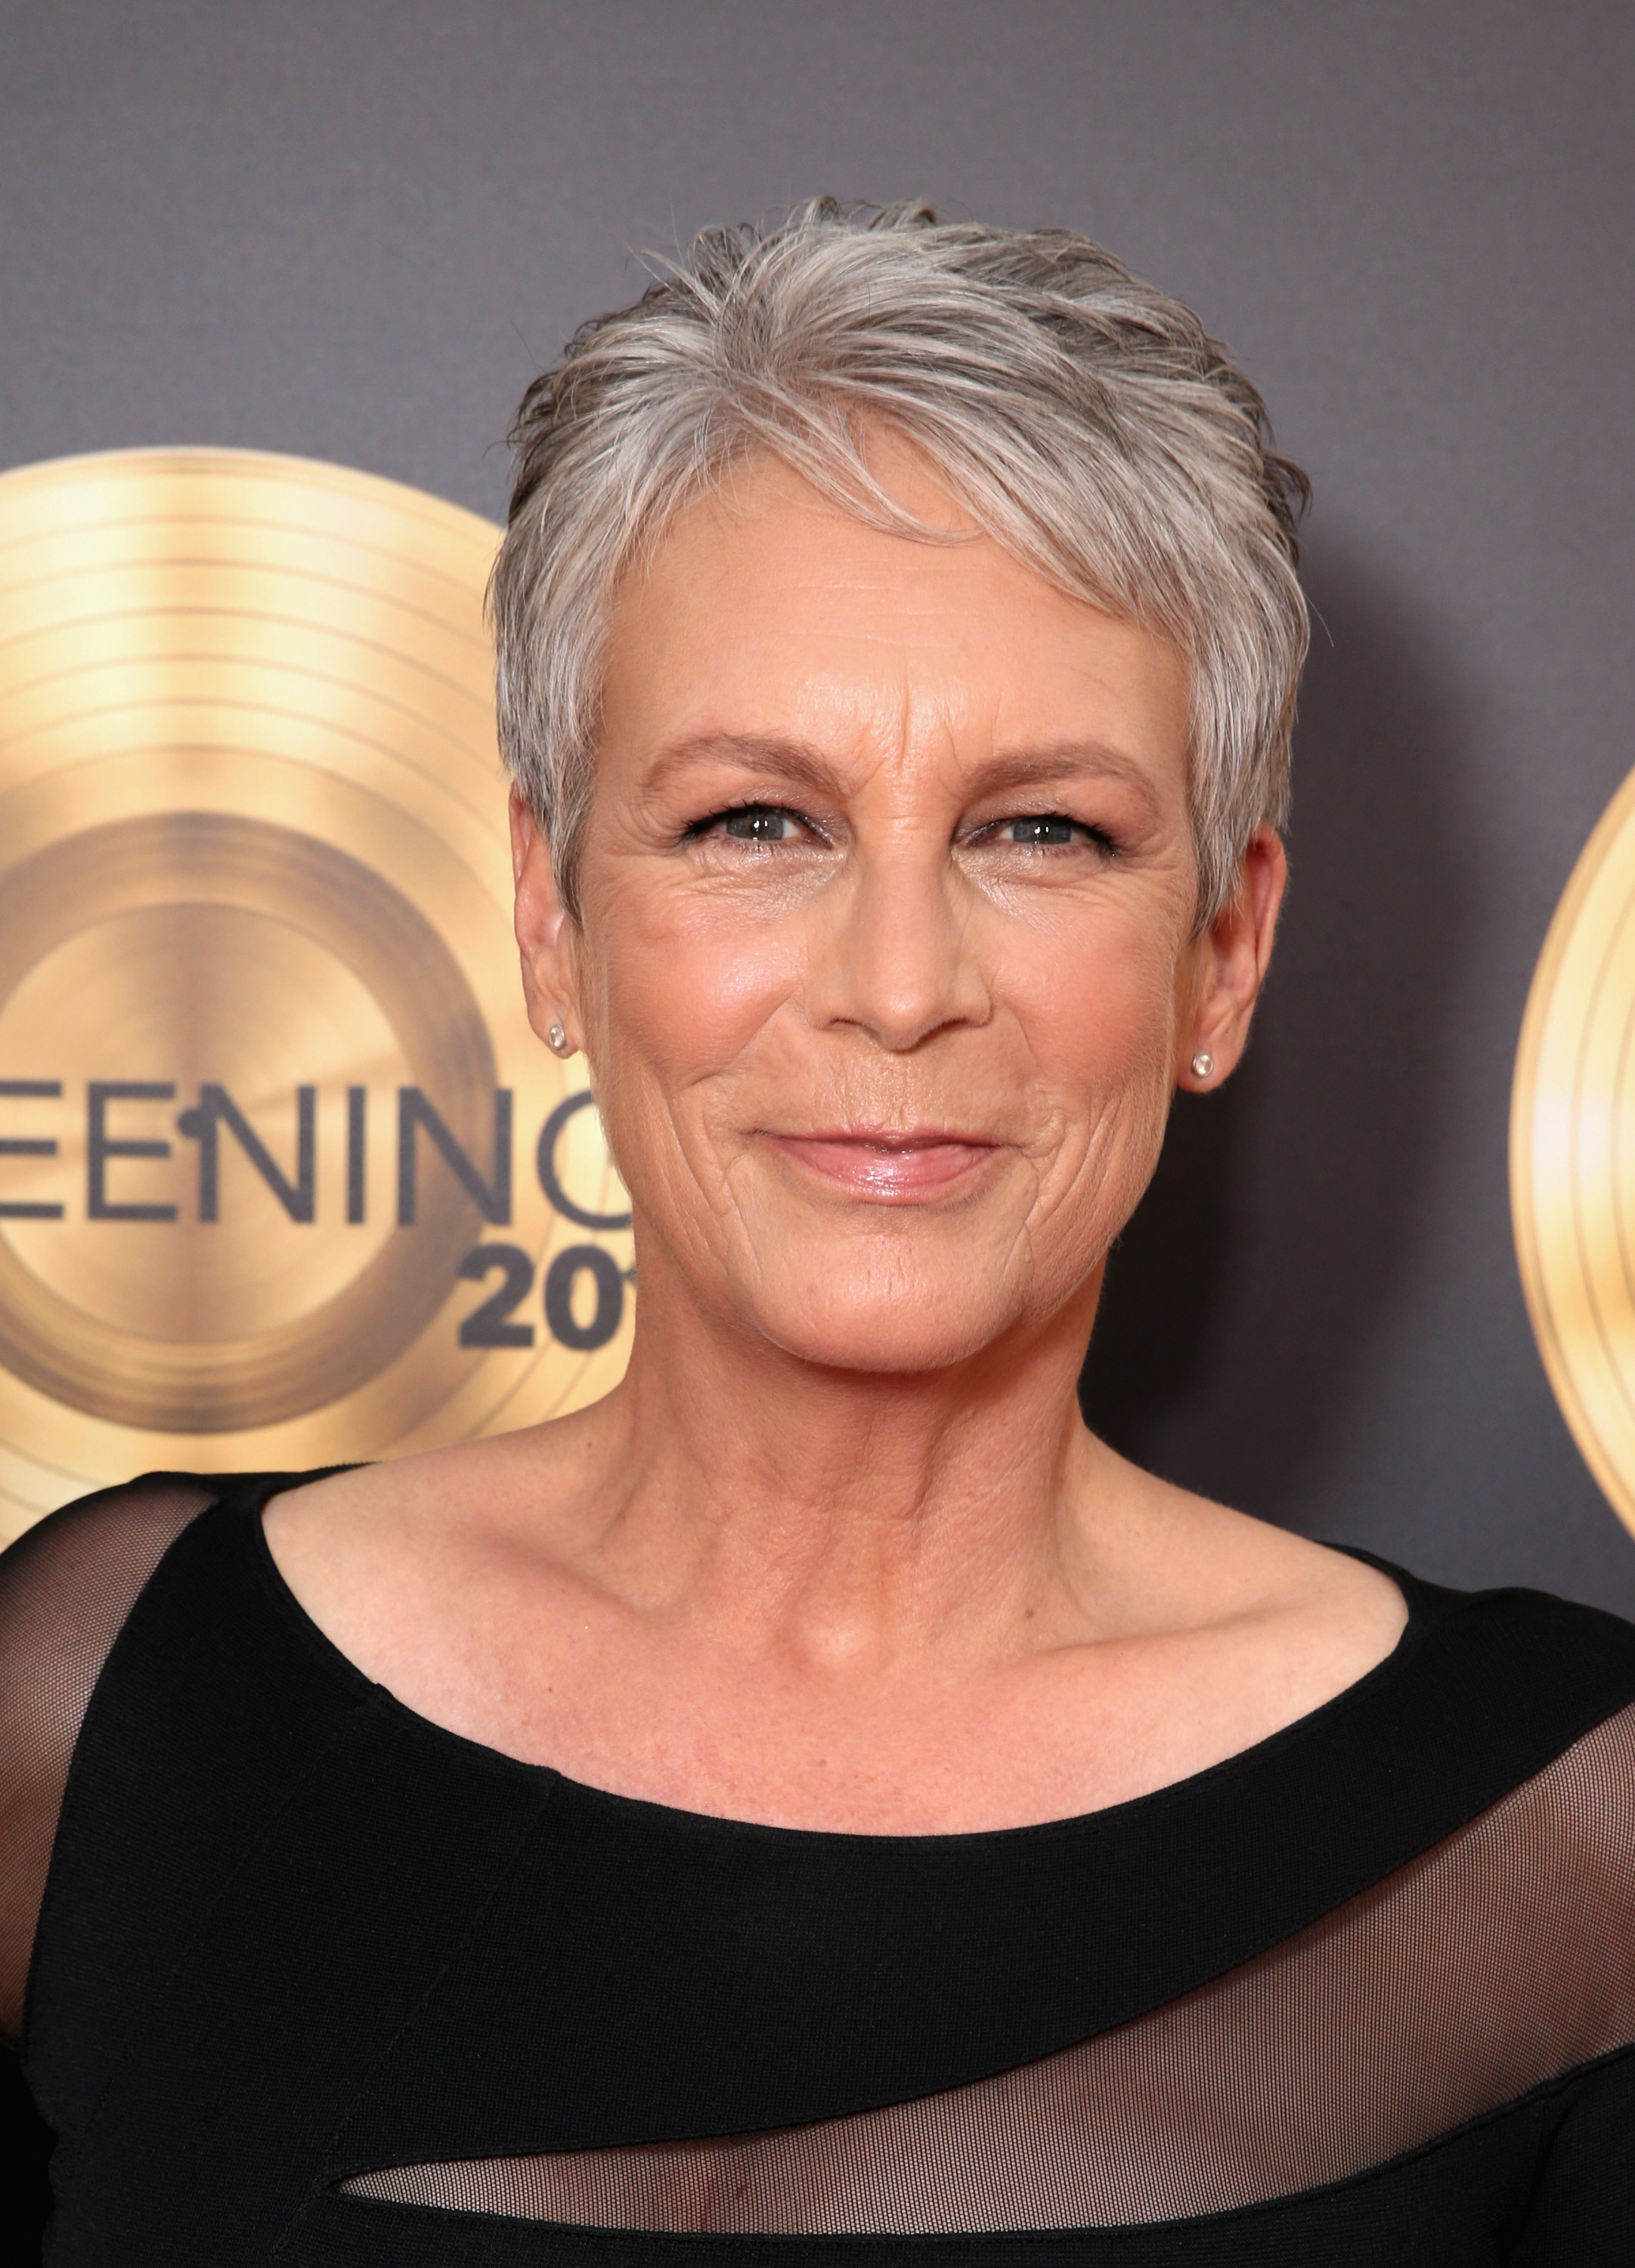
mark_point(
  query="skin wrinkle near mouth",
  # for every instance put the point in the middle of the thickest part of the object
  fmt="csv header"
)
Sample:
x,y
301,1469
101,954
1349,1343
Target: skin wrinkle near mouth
x,y
1021,1264
1037,1151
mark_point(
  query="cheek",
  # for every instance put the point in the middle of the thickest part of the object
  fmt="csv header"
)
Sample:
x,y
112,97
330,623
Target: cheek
x,y
1099,1016
680,985
1098,1007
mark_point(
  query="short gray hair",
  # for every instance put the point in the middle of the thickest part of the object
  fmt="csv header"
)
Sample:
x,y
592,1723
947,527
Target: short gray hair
x,y
1086,421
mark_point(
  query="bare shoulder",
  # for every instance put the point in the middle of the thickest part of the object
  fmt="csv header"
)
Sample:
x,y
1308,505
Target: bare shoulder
x,y
381,1552
459,1488
1283,1624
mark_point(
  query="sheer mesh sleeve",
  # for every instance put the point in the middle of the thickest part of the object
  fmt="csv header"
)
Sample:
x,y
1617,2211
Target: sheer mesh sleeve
x,y
66,1588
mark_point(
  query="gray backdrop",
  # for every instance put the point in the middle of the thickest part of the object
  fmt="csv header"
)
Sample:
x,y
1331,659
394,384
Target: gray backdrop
x,y
355,231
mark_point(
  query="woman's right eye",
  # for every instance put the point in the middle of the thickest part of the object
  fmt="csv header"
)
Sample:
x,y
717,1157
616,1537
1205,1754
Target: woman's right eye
x,y
753,822
756,822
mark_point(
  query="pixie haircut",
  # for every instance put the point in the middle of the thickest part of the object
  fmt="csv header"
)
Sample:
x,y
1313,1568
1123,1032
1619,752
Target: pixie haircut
x,y
1086,421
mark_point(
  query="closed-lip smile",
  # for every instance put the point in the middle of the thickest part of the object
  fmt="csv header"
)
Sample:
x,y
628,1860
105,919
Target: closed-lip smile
x,y
891,1165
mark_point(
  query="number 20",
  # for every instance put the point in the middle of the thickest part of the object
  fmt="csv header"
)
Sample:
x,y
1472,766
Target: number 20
x,y
491,1324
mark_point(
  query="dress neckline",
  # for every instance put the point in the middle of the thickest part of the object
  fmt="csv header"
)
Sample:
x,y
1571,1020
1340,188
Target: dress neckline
x,y
1425,1604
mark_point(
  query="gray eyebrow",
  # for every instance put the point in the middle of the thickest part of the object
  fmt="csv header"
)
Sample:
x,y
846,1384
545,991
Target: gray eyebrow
x,y
792,760
801,764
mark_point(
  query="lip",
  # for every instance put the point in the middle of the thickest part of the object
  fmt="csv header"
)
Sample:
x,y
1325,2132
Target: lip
x,y
885,1163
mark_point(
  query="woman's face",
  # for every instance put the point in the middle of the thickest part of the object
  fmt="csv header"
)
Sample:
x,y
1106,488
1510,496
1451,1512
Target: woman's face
x,y
887,967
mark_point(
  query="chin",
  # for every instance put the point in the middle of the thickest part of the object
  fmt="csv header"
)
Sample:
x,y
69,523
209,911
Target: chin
x,y
853,1326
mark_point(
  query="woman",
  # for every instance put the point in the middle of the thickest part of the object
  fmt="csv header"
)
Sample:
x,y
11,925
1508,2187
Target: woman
x,y
821,1801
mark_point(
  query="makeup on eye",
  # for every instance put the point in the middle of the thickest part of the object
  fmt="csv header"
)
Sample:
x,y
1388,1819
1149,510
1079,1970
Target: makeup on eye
x,y
766,822
1044,832
753,822
1050,830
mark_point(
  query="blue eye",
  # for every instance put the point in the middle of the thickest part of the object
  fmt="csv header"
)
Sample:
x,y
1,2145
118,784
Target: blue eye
x,y
757,823
1042,834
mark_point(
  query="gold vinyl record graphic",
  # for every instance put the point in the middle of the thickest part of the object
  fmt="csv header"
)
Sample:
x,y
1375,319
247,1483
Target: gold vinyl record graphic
x,y
285,1178
1573,1153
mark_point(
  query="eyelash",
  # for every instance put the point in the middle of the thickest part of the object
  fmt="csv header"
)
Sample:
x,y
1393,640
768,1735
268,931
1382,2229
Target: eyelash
x,y
1081,829
699,828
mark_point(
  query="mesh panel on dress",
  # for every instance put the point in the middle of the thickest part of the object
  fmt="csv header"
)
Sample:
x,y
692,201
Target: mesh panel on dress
x,y
66,1587
1502,1958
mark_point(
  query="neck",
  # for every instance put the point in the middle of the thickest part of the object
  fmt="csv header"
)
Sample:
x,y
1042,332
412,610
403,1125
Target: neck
x,y
850,1513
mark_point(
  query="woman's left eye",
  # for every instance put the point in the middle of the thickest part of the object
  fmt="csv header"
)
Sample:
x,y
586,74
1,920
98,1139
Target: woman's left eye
x,y
1044,832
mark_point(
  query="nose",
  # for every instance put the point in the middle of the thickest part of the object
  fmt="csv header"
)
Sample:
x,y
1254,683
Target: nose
x,y
896,955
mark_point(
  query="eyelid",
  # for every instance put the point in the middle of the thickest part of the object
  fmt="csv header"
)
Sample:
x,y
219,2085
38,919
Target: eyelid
x,y
697,828
1101,837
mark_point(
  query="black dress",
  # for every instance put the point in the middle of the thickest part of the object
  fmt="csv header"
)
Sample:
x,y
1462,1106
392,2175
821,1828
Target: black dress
x,y
317,1982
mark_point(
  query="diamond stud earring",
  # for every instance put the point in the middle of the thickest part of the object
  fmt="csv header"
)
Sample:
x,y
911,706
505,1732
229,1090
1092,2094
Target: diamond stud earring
x,y
1203,1063
556,1040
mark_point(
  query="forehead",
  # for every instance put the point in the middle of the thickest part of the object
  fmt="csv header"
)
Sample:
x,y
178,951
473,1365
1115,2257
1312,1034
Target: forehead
x,y
766,608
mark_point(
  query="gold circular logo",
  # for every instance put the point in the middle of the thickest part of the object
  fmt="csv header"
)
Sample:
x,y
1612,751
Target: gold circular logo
x,y
285,1179
1573,1153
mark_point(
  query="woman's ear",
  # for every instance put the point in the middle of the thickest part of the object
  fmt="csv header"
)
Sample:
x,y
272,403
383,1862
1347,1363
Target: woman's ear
x,y
1233,953
546,934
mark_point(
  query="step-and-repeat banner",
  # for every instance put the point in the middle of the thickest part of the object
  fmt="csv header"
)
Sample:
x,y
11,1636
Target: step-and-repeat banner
x,y
1573,1153
285,1179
